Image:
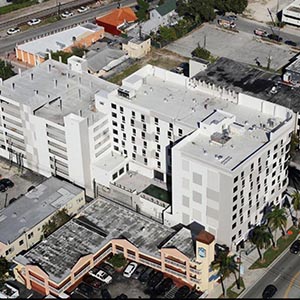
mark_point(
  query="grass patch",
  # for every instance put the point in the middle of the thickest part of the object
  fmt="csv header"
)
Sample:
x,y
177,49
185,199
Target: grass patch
x,y
158,193
118,260
117,79
233,294
12,7
271,254
165,63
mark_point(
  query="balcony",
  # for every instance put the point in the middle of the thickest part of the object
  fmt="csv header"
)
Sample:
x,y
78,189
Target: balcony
x,y
103,255
176,264
171,271
131,256
82,272
195,271
195,280
150,263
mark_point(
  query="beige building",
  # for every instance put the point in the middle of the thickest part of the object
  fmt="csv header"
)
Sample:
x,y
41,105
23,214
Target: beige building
x,y
21,222
137,48
105,228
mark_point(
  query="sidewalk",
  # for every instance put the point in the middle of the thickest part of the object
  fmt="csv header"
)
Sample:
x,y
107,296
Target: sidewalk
x,y
250,277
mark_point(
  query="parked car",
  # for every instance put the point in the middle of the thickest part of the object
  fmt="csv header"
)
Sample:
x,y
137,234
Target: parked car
x,y
66,14
85,289
14,30
107,268
83,9
144,277
291,43
101,275
182,292
163,287
295,247
93,281
131,267
274,37
269,291
34,22
3,188
138,271
155,280
232,17
105,294
7,182
122,296
260,32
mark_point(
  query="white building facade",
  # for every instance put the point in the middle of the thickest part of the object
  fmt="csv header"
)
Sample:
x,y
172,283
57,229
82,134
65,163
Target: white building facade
x,y
291,13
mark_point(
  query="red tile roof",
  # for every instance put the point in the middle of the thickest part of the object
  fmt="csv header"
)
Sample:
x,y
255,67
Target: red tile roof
x,y
118,16
205,237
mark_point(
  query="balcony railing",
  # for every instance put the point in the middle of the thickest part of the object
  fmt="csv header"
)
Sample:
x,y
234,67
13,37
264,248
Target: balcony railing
x,y
195,271
82,272
175,272
103,255
150,263
176,264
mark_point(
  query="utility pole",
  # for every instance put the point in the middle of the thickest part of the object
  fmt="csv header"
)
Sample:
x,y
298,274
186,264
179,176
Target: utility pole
x,y
204,43
269,61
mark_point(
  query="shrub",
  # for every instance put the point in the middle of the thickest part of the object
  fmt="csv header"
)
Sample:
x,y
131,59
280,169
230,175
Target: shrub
x,y
118,260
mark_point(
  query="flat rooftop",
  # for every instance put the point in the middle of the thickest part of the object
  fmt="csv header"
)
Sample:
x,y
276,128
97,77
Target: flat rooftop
x,y
99,223
109,161
294,66
251,81
53,91
60,40
35,206
294,7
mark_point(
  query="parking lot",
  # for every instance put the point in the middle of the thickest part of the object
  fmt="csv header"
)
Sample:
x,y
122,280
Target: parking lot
x,y
22,180
241,46
143,283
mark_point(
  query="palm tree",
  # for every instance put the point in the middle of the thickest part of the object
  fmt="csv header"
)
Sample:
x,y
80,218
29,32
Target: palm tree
x,y
261,238
277,219
225,265
296,202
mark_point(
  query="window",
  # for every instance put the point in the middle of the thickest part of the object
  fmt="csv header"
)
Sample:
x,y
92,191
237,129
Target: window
x,y
275,147
134,148
234,207
169,134
156,138
259,169
132,122
116,140
158,147
250,203
115,123
122,127
116,148
143,135
134,131
145,144
156,155
252,167
113,105
240,231
233,217
30,235
144,152
233,238
156,121
235,179
235,189
233,225
234,198
21,243
157,130
170,126
259,161
249,213
243,183
133,156
275,155
257,179
144,127
241,211
114,115
142,118
125,153
115,131
124,136
123,119
123,144
121,110
145,161
133,139
269,153
133,115
158,164
180,132
242,174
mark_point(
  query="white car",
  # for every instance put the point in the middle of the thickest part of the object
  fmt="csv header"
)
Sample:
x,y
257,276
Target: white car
x,y
102,276
34,22
83,9
66,14
13,30
130,269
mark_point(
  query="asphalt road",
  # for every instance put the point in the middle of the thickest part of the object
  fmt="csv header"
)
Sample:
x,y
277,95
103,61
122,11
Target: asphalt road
x,y
285,275
7,43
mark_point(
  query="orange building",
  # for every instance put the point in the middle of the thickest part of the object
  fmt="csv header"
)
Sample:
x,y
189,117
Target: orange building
x,y
116,19
56,265
34,52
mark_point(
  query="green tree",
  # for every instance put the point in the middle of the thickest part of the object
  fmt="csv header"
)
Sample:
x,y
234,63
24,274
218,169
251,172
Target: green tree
x,y
142,11
78,51
6,70
60,218
261,238
296,202
201,53
225,265
4,268
277,219
167,34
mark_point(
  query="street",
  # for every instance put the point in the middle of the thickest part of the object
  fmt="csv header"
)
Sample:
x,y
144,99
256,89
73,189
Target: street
x,y
285,275
8,43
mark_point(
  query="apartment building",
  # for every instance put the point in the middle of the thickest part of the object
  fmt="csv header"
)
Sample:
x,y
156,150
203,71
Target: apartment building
x,y
49,123
291,13
105,228
168,125
21,223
